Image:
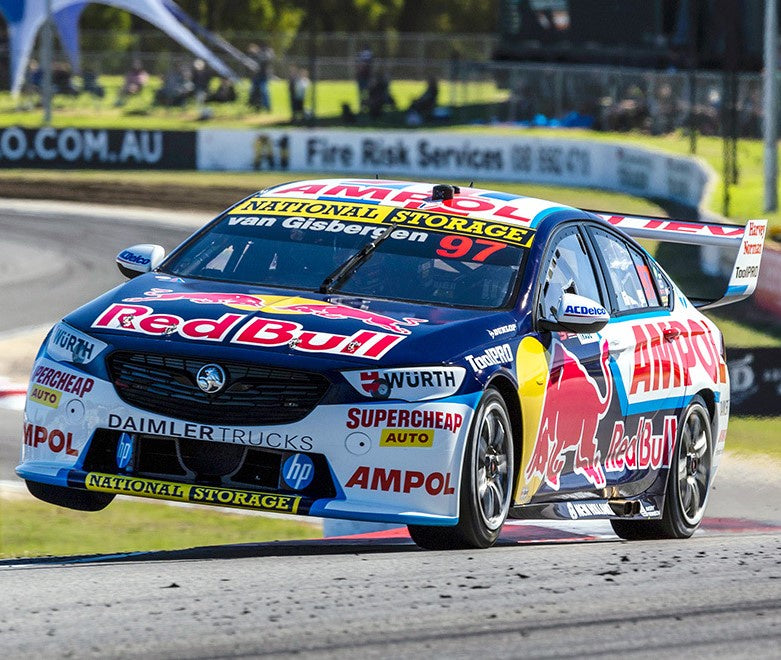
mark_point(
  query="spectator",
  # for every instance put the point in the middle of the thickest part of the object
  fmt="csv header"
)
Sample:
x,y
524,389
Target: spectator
x,y
379,96
259,95
291,87
200,78
176,89
91,85
135,80
300,88
62,80
422,107
363,75
225,92
34,77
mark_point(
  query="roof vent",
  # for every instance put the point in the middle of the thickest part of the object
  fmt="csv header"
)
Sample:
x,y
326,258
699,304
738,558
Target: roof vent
x,y
444,191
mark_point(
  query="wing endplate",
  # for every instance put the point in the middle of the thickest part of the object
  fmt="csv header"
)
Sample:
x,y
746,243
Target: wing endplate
x,y
748,239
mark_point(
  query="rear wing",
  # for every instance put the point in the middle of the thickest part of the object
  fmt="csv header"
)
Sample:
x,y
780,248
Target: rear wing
x,y
748,240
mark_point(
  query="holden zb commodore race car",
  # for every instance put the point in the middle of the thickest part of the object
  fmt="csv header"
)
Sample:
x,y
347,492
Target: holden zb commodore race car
x,y
432,356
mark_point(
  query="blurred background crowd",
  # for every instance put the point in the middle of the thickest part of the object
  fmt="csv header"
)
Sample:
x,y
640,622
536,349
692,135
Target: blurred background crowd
x,y
640,65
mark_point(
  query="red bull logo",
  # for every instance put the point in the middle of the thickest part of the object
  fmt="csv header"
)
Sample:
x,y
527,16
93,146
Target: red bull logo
x,y
203,298
339,312
570,416
271,304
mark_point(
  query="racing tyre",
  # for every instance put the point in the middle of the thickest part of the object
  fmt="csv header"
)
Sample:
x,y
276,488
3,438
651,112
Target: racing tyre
x,y
486,483
70,498
688,482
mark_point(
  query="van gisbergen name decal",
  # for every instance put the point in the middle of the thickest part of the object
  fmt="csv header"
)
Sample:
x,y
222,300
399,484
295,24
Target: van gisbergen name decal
x,y
112,483
244,213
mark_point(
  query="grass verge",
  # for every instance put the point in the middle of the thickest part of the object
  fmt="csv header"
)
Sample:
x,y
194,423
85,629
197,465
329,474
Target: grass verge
x,y
214,191
30,528
755,436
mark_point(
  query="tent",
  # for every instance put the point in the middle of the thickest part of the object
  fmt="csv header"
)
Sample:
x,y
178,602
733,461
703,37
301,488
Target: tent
x,y
25,18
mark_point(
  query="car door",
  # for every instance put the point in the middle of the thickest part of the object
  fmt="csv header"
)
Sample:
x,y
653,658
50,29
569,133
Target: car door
x,y
578,407
642,346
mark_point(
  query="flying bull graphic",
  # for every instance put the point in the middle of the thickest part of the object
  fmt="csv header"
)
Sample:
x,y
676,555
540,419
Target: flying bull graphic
x,y
338,312
571,413
203,298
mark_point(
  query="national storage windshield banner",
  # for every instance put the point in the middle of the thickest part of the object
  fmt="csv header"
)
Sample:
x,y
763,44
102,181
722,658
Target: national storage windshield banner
x,y
458,157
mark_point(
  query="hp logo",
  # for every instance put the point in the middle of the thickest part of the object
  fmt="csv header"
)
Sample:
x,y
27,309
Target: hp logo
x,y
298,471
211,378
124,450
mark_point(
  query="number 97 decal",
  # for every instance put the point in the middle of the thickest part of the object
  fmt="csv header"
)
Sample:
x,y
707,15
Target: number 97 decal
x,y
463,247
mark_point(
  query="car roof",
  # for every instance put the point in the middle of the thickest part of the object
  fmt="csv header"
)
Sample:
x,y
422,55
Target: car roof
x,y
476,203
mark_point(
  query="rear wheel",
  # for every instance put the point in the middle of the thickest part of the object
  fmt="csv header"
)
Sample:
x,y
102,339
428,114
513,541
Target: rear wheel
x,y
486,483
688,482
70,498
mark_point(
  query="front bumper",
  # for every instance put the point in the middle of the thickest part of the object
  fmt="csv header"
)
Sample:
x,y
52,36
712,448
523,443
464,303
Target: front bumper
x,y
384,461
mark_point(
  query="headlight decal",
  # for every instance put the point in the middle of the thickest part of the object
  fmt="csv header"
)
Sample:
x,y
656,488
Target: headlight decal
x,y
67,344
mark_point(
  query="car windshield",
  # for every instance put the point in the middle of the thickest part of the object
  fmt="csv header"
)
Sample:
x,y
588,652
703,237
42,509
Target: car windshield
x,y
414,263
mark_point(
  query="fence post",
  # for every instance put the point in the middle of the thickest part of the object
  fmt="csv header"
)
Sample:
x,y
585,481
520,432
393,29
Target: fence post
x,y
770,128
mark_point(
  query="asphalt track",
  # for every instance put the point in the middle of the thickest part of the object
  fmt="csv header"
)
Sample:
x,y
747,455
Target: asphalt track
x,y
547,590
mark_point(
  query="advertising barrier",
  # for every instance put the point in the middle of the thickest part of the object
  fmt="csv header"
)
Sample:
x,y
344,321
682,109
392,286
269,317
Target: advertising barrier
x,y
755,381
78,148
458,157
427,155
768,293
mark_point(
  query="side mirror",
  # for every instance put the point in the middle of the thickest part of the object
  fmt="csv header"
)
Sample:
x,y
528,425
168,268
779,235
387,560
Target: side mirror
x,y
140,259
577,314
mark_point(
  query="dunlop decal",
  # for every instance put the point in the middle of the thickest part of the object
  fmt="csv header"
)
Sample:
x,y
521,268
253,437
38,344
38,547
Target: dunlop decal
x,y
112,483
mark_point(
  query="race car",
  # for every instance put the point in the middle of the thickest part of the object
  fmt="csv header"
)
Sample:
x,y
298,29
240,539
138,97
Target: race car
x,y
434,356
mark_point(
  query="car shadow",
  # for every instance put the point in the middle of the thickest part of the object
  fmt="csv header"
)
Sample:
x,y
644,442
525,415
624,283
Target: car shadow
x,y
390,541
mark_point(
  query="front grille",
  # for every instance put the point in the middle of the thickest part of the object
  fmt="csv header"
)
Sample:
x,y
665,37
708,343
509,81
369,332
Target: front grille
x,y
253,395
217,464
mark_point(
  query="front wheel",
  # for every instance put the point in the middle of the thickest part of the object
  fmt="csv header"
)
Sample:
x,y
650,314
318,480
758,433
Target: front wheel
x,y
688,482
486,483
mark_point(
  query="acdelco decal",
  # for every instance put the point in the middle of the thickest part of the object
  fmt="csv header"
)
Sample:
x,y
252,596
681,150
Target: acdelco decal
x,y
256,331
358,418
64,381
666,351
57,440
406,438
644,449
400,481
313,209
110,483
